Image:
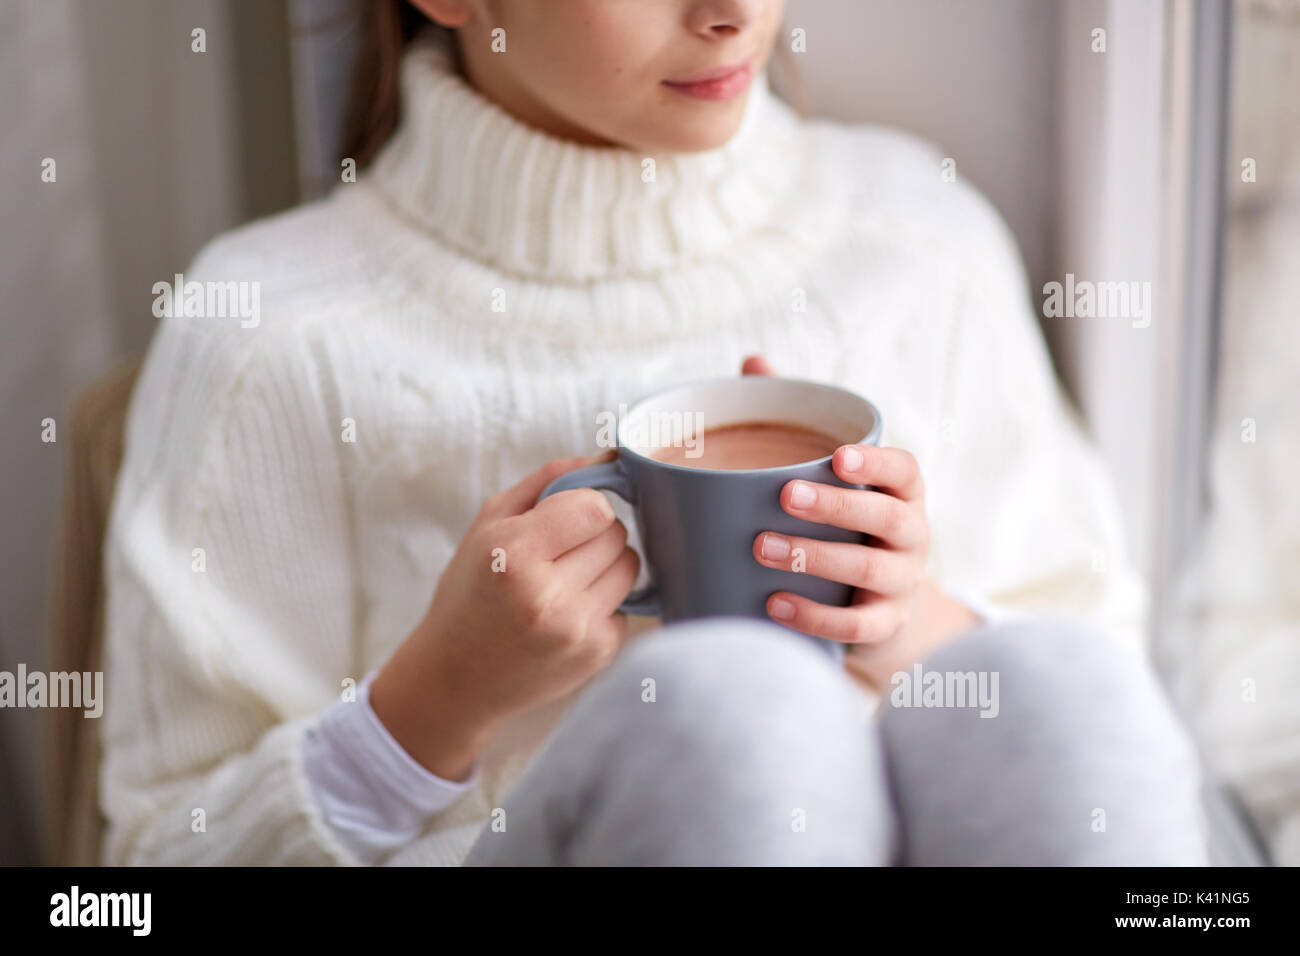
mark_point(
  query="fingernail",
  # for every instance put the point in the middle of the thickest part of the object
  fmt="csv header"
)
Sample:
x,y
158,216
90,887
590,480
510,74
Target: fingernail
x,y
803,495
851,459
774,547
782,609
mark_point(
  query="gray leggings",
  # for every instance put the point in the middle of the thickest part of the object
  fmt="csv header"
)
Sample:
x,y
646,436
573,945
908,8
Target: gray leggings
x,y
726,742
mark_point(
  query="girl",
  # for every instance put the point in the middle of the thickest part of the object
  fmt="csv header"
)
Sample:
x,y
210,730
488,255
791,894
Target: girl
x,y
581,202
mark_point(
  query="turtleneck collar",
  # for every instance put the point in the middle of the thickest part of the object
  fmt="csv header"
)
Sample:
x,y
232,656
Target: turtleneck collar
x,y
529,203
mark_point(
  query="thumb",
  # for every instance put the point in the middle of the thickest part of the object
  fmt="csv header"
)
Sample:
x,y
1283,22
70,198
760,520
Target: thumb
x,y
522,496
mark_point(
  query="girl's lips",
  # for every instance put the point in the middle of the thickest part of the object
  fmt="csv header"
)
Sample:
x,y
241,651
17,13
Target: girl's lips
x,y
720,85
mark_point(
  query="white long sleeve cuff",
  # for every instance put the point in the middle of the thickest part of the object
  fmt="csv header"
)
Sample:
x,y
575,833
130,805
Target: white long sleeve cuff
x,y
987,611
374,795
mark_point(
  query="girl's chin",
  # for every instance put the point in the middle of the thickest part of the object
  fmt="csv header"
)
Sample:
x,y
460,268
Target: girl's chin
x,y
703,127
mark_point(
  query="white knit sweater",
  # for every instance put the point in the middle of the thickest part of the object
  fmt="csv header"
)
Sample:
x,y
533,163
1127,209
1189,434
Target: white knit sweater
x,y
471,305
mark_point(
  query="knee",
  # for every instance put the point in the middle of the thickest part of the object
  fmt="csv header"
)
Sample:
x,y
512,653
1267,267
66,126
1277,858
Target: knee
x,y
736,730
695,662
1083,727
1030,642
1058,674
726,678
749,646
1057,657
1048,660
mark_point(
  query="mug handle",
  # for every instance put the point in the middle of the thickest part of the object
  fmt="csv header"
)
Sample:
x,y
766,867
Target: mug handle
x,y
609,476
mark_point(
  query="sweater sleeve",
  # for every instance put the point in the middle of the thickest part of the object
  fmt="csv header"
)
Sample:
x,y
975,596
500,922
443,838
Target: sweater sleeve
x,y
1024,516
234,610
230,602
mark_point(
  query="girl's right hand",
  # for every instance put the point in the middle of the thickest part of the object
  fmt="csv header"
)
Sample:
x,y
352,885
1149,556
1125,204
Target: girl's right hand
x,y
526,611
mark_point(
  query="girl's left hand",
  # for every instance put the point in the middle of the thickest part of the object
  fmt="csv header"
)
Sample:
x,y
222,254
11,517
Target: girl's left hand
x,y
887,572
897,613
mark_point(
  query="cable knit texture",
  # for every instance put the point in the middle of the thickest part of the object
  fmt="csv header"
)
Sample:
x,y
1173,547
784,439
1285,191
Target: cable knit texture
x,y
469,307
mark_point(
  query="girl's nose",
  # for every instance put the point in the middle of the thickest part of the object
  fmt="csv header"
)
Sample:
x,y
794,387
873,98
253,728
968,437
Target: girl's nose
x,y
722,18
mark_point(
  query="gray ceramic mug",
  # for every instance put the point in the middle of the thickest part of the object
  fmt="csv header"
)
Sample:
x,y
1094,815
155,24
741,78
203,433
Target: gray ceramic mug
x,y
698,525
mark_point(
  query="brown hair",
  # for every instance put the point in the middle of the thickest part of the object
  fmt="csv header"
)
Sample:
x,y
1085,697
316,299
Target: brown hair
x,y
387,28
374,100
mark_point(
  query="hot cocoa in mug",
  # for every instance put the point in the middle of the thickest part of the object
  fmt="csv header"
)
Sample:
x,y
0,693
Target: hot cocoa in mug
x,y
747,445
703,490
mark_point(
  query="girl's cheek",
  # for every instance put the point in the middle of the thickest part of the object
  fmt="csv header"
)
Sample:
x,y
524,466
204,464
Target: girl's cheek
x,y
623,38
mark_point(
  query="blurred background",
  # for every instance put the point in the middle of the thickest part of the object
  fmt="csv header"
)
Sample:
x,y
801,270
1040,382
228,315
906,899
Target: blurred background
x,y
1123,140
